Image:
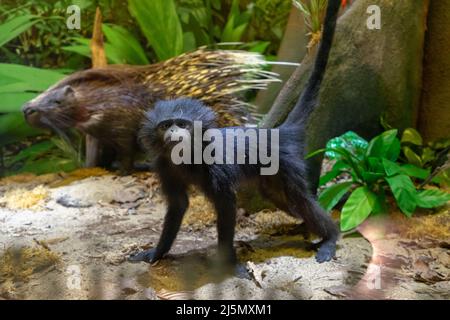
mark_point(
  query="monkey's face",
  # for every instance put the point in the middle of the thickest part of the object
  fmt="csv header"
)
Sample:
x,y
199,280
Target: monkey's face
x,y
55,108
172,121
171,131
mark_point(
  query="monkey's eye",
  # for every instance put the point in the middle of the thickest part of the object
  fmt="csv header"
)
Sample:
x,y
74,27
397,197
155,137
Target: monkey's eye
x,y
182,125
165,126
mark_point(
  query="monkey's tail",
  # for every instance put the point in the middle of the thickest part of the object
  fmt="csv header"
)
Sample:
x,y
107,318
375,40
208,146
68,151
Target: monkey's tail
x,y
308,99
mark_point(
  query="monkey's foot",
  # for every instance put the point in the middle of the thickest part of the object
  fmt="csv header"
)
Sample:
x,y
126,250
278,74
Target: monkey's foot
x,y
326,251
148,256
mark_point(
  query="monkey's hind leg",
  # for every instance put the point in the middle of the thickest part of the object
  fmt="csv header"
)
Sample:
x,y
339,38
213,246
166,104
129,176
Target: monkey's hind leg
x,y
316,219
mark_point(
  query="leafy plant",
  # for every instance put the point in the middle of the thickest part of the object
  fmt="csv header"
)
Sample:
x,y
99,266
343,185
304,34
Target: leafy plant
x,y
19,84
424,155
160,24
121,46
313,12
373,172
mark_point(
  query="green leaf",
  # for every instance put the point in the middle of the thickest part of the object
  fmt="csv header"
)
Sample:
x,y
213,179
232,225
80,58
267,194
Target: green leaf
x,y
412,157
414,171
385,145
380,205
124,45
13,102
349,141
189,42
375,165
13,128
371,177
33,151
37,79
404,192
357,208
333,173
410,135
432,198
390,167
15,26
331,196
160,24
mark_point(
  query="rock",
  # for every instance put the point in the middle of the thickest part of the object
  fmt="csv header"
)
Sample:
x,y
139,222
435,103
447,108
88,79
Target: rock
x,y
370,73
88,192
237,289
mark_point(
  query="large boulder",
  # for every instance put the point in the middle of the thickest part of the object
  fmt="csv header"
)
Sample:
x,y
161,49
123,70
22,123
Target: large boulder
x,y
370,73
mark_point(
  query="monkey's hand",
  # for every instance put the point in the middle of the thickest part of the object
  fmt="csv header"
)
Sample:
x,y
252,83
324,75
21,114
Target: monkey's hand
x,y
149,256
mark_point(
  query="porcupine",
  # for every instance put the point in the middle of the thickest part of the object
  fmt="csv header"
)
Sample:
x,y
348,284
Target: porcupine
x,y
109,103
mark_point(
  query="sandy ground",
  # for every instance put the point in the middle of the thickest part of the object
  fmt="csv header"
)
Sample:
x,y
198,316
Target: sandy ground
x,y
68,237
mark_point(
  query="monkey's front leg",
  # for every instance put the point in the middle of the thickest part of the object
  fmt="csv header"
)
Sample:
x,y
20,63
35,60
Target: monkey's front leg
x,y
178,203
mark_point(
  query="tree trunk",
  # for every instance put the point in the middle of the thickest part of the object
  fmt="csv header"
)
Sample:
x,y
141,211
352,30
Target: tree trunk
x,y
434,120
292,49
370,73
98,61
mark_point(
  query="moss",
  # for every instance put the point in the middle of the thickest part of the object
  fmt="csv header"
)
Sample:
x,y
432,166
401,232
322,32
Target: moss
x,y
19,264
19,199
200,214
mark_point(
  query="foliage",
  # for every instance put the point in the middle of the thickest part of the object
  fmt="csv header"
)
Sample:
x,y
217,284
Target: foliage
x,y
35,34
374,172
268,23
432,155
121,47
19,84
313,12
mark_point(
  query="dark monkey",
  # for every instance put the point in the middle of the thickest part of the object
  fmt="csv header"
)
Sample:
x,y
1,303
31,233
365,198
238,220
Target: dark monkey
x,y
288,188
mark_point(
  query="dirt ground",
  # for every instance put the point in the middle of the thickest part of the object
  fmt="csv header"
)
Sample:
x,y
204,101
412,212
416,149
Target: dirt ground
x,y
67,236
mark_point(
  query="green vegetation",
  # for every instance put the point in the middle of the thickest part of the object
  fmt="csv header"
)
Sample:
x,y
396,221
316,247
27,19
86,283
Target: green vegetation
x,y
374,170
37,49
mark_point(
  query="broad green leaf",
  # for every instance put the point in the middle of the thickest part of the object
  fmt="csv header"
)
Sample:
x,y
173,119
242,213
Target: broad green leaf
x,y
414,171
124,45
331,196
428,155
375,165
38,79
410,135
349,141
385,145
15,26
79,49
412,157
404,192
357,208
333,173
13,128
48,164
189,42
432,198
13,102
259,46
390,167
371,177
380,205
159,22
